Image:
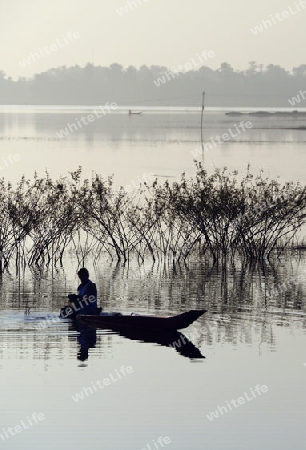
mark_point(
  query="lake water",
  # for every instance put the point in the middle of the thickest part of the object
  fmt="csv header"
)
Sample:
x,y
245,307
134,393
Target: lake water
x,y
158,143
253,335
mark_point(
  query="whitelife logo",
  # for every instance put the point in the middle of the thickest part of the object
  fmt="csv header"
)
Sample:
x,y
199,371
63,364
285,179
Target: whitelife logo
x,y
124,371
66,312
130,6
71,127
24,425
159,444
47,50
260,208
296,100
236,403
8,161
181,69
217,140
279,17
146,177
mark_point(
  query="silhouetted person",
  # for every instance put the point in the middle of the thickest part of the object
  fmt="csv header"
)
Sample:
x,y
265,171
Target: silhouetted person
x,y
85,302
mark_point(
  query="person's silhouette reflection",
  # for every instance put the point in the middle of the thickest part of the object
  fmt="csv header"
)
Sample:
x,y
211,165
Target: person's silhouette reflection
x,y
87,339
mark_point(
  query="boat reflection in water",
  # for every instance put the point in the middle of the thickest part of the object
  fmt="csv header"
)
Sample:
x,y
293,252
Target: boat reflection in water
x,y
172,339
150,329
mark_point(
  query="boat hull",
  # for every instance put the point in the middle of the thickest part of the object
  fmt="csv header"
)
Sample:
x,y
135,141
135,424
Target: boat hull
x,y
118,322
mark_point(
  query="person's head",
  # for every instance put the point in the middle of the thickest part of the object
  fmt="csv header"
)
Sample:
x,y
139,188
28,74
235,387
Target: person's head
x,y
83,274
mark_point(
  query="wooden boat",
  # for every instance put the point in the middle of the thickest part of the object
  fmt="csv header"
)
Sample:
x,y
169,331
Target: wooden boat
x,y
118,322
134,112
235,113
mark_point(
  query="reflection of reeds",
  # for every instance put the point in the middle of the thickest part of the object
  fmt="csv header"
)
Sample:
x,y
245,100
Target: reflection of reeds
x,y
212,213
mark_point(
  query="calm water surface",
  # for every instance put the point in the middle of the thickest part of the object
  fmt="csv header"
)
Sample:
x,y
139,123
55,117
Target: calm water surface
x,y
250,336
157,143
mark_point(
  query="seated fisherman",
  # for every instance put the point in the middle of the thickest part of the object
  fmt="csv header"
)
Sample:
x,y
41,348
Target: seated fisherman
x,y
86,300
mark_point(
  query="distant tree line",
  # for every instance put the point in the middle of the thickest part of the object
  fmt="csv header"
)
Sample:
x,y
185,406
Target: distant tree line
x,y
270,86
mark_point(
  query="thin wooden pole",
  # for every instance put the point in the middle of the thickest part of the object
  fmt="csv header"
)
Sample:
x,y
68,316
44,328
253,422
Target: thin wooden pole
x,y
19,274
202,117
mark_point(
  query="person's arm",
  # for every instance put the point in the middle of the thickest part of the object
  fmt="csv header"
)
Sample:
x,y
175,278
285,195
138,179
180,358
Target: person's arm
x,y
75,297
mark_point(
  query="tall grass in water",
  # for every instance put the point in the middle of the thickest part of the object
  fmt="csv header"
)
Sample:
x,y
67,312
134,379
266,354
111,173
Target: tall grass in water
x,y
216,213
253,216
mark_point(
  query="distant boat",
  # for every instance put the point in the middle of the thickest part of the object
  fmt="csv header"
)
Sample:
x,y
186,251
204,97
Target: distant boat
x,y
134,112
235,113
163,176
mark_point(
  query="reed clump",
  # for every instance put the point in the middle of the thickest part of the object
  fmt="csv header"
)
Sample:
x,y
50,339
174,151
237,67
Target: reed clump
x,y
220,214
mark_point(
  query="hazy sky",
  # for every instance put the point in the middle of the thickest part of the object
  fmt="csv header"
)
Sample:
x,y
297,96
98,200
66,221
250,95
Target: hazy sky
x,y
162,32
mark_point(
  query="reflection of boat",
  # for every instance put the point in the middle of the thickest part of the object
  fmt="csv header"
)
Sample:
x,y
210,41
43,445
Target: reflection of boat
x,y
137,322
172,339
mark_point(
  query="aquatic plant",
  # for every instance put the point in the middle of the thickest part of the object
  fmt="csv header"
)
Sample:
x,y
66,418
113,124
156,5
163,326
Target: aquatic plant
x,y
220,214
